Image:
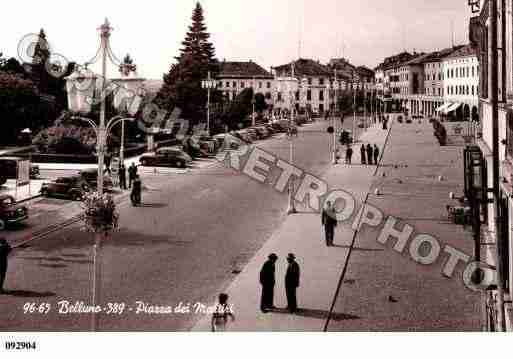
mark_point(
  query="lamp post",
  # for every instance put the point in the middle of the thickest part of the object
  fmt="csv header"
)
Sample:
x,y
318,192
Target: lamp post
x,y
253,119
81,88
208,84
289,88
354,110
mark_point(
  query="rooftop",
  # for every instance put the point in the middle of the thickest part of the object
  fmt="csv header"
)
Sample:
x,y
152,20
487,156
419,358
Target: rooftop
x,y
464,51
242,69
305,67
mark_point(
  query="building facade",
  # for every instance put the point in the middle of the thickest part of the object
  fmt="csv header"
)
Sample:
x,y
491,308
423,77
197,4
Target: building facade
x,y
494,154
309,82
461,83
236,76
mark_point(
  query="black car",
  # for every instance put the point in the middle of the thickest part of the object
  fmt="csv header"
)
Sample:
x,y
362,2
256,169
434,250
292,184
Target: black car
x,y
11,212
9,169
90,175
166,157
73,187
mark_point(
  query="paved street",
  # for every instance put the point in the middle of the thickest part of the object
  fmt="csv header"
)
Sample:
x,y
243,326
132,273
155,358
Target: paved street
x,y
196,231
380,289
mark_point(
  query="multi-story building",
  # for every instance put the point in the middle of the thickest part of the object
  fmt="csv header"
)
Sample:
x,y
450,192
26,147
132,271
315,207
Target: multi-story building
x,y
390,71
311,92
461,83
235,76
490,168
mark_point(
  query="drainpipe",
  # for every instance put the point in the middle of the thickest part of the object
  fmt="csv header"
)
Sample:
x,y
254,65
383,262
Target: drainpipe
x,y
494,97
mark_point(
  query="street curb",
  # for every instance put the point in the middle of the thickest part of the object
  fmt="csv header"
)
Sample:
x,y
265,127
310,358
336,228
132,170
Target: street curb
x,y
29,198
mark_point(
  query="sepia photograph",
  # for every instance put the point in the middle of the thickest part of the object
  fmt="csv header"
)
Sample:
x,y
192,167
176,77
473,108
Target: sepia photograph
x,y
272,167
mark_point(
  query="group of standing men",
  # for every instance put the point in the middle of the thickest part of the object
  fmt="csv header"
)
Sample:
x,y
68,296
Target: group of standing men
x,y
267,280
369,154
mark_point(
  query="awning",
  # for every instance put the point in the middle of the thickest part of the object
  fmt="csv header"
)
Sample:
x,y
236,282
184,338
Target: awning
x,y
443,107
453,107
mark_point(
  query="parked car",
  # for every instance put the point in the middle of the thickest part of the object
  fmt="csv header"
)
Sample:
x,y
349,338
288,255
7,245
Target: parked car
x,y
90,175
166,157
208,143
253,133
11,212
72,187
262,132
244,136
9,167
227,141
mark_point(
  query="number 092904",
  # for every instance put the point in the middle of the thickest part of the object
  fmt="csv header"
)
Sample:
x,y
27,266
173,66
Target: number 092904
x,y
20,345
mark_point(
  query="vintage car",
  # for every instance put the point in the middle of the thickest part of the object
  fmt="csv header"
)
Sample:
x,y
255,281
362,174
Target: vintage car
x,y
166,157
72,187
11,212
90,175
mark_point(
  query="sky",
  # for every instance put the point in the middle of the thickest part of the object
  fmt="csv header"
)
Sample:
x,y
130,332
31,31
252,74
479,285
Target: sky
x,y
268,32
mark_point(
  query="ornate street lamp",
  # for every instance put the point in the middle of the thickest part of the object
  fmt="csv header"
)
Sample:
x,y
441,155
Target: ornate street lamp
x,y
84,89
208,84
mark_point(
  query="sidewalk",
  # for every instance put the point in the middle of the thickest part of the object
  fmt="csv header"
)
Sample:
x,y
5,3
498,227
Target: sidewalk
x,y
321,266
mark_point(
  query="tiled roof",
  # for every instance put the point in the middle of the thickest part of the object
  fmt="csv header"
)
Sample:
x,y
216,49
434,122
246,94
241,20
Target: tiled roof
x,y
305,67
237,69
464,51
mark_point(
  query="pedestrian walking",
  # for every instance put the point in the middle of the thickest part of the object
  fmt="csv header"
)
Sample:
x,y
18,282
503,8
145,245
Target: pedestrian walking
x,y
267,281
135,195
292,283
362,154
329,222
376,154
122,177
5,249
222,313
132,172
369,154
349,154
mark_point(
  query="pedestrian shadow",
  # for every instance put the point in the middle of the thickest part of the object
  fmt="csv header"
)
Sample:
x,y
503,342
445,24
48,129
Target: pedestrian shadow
x,y
28,294
317,314
360,249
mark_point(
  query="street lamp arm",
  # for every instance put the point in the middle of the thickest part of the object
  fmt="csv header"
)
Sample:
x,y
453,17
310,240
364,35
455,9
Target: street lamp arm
x,y
115,120
89,121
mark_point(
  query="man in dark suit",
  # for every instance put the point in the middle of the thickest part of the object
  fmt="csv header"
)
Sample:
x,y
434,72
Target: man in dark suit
x,y
292,283
267,281
329,222
5,249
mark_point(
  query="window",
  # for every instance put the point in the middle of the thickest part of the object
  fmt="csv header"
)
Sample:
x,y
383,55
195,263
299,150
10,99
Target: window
x,y
468,72
468,91
309,80
473,71
321,81
234,84
297,95
260,85
321,95
268,85
279,96
309,94
242,84
227,84
220,84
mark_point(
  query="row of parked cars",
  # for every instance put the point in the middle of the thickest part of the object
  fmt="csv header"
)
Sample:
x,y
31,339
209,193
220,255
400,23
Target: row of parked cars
x,y
207,146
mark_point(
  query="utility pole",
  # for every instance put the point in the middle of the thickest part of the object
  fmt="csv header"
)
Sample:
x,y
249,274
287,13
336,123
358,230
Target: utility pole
x,y
494,98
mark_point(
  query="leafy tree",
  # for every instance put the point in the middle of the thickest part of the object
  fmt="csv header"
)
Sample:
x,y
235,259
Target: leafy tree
x,y
182,84
239,109
20,107
260,104
11,65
